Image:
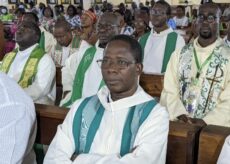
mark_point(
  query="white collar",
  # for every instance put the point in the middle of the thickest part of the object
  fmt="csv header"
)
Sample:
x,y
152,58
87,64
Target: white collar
x,y
139,97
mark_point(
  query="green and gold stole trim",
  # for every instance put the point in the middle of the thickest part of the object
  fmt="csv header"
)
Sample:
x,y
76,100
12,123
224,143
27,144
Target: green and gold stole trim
x,y
169,47
209,91
87,121
30,68
80,75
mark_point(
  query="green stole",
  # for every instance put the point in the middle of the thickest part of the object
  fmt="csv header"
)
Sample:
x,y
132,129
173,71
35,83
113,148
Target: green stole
x,y
42,41
30,69
88,117
169,47
80,75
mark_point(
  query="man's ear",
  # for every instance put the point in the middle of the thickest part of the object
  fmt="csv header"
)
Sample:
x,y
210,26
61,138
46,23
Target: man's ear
x,y
139,68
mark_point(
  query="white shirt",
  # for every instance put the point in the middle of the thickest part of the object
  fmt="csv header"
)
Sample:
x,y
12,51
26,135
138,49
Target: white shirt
x,y
181,21
93,76
150,141
17,124
65,54
155,49
43,89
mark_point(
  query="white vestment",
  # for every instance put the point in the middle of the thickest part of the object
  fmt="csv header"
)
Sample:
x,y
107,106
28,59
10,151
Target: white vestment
x,y
150,143
224,157
43,89
93,76
170,96
154,51
17,124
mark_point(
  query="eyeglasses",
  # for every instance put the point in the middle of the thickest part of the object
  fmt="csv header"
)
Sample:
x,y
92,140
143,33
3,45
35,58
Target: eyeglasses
x,y
157,12
209,18
120,64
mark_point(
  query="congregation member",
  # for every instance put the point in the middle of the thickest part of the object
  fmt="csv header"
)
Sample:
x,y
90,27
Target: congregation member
x,y
88,26
2,41
141,20
197,80
224,157
72,17
180,19
17,123
160,42
81,76
124,124
47,40
67,43
30,66
48,19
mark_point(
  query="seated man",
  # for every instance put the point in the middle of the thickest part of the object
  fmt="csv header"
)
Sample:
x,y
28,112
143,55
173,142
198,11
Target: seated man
x,y
224,157
124,123
161,41
30,66
197,79
17,123
67,44
81,77
47,41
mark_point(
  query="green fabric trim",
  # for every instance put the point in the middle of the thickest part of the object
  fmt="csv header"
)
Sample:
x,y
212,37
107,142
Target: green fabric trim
x,y
127,133
76,42
101,84
169,48
42,41
80,75
8,67
142,42
38,149
93,128
77,124
37,53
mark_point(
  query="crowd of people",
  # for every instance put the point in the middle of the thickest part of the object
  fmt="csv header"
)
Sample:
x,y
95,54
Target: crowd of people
x,y
102,52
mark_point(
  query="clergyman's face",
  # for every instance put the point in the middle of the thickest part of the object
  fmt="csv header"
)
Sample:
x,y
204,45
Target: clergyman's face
x,y
107,27
207,22
158,15
25,34
120,80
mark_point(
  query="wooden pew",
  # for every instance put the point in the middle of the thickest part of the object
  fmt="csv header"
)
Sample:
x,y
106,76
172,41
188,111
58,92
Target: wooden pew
x,y
210,143
182,143
182,139
48,118
152,84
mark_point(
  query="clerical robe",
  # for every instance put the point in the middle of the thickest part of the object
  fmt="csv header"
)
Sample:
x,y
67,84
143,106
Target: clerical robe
x,y
92,78
149,146
154,50
203,94
49,41
42,90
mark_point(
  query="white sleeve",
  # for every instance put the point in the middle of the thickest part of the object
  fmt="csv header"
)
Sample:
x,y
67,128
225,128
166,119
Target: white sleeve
x,y
44,79
15,127
180,43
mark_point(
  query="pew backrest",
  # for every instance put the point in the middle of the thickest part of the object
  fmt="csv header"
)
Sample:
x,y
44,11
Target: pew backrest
x,y
48,118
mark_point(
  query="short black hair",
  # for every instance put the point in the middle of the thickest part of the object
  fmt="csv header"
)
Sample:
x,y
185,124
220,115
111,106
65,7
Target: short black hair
x,y
164,3
33,16
74,9
62,23
135,47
